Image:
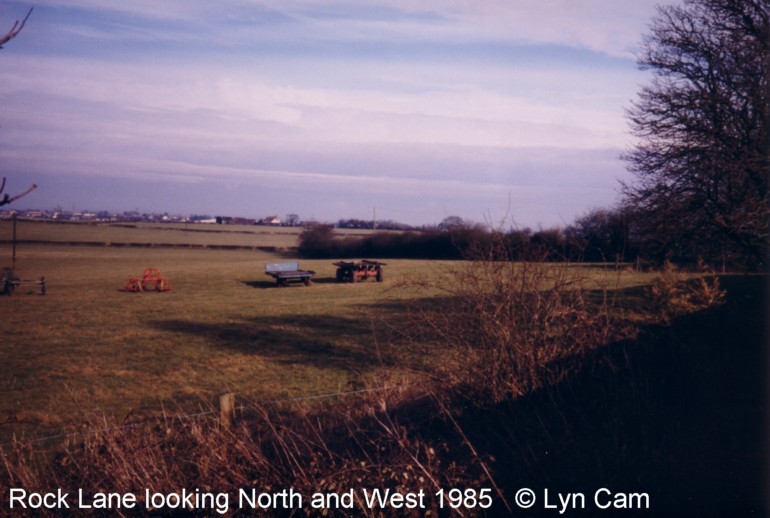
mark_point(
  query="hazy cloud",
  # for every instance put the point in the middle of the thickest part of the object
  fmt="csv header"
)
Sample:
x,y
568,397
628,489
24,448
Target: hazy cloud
x,y
359,103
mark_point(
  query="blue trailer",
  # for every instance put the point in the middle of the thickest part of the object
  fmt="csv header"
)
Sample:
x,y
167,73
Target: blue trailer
x,y
284,273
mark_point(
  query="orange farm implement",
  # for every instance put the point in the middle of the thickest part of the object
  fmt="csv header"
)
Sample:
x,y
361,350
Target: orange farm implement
x,y
151,279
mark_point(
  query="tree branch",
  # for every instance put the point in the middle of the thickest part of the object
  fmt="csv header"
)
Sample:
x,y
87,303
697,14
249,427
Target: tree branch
x,y
15,30
7,198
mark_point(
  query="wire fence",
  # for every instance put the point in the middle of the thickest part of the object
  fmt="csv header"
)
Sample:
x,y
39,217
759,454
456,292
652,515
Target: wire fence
x,y
242,409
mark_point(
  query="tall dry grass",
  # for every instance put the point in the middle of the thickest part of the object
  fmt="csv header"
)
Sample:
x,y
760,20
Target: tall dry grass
x,y
674,292
498,330
502,329
359,445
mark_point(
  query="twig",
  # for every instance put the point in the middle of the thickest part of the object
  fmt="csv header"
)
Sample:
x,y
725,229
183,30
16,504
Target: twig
x,y
14,30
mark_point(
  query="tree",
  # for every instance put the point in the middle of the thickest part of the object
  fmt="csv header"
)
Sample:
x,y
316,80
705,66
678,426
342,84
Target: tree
x,y
317,240
601,235
701,164
6,198
15,30
451,222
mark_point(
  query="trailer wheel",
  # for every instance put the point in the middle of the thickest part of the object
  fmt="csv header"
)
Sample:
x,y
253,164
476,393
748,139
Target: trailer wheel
x,y
380,275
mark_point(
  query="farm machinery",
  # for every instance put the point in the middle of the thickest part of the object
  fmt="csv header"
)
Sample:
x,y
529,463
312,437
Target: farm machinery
x,y
349,271
9,281
284,273
151,279
8,278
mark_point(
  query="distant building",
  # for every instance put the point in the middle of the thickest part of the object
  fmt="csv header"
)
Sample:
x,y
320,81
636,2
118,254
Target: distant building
x,y
270,220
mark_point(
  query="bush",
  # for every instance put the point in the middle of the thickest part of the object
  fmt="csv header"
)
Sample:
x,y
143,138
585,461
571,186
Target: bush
x,y
459,242
507,328
674,293
360,445
317,241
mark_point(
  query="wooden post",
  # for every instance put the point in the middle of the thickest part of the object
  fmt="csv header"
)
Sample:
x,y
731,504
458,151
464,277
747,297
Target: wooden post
x,y
13,256
227,409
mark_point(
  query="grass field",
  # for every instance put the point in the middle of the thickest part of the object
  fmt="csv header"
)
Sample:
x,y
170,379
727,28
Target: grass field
x,y
87,349
158,234
665,400
152,233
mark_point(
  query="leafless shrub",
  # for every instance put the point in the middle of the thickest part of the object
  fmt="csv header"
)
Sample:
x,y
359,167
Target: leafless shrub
x,y
673,292
503,329
497,331
359,445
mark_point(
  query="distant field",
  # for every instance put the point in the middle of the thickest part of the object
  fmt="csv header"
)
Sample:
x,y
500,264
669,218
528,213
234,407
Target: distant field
x,y
87,349
153,233
159,234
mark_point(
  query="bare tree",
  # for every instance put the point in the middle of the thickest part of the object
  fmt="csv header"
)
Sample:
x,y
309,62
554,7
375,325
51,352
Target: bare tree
x,y
702,163
7,198
15,30
602,235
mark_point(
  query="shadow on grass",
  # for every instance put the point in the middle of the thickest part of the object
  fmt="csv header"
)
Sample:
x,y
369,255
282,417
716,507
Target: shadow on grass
x,y
329,341
260,284
273,284
677,414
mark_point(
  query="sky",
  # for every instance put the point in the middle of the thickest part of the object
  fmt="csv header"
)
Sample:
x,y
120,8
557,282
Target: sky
x,y
497,111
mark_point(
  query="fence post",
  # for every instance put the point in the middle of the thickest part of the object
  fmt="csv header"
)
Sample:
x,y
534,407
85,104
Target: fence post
x,y
227,409
13,255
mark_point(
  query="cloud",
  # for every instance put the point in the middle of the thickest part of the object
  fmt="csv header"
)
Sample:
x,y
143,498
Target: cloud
x,y
603,26
239,103
439,103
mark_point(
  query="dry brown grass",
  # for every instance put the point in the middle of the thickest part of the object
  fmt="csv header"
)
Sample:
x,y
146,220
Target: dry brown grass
x,y
674,292
478,334
359,445
498,334
503,329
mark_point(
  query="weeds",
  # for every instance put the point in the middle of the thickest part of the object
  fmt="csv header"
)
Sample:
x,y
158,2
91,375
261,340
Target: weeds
x,y
503,336
674,293
504,329
357,446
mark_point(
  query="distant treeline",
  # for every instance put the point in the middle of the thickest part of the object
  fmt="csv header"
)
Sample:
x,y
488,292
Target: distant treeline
x,y
371,224
602,235
464,241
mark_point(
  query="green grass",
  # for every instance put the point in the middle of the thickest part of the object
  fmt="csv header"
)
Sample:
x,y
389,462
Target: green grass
x,y
87,349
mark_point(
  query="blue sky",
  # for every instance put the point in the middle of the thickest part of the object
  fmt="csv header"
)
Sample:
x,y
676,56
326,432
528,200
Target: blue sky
x,y
328,109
